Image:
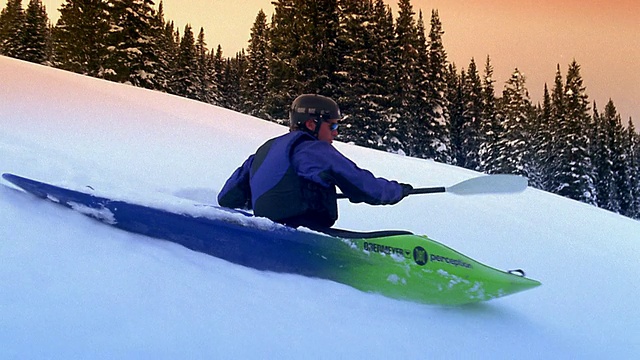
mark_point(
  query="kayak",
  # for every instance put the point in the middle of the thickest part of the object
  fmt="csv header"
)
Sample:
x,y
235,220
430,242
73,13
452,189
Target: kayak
x,y
396,264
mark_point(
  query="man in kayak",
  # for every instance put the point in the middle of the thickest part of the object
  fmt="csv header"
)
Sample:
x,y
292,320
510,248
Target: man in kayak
x,y
292,179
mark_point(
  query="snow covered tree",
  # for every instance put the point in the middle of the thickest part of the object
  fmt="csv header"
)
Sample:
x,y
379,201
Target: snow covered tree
x,y
231,83
423,137
257,75
436,105
426,115
378,97
36,34
353,73
513,145
218,63
601,157
490,127
284,33
79,37
207,87
363,67
573,172
185,81
456,102
167,50
132,43
633,163
558,116
541,144
12,27
304,56
220,71
401,134
317,60
471,119
616,144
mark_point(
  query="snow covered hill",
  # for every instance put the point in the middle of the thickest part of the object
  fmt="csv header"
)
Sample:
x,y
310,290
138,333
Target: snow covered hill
x,y
71,287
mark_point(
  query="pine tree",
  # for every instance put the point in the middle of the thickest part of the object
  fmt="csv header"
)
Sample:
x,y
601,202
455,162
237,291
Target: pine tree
x,y
436,103
218,63
234,70
542,144
490,128
382,32
601,157
558,116
36,33
304,52
539,142
132,43
205,77
284,34
624,175
353,75
400,134
619,198
167,50
633,163
317,59
573,171
257,76
516,107
184,81
424,139
362,68
456,101
472,118
12,27
427,120
367,32
79,37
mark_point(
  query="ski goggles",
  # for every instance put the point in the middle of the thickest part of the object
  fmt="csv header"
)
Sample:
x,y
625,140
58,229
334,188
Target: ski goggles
x,y
333,126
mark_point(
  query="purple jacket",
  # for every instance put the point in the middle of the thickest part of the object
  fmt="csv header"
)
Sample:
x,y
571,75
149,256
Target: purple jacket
x,y
294,176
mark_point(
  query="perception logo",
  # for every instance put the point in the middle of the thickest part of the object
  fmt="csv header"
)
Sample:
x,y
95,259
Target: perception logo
x,y
420,255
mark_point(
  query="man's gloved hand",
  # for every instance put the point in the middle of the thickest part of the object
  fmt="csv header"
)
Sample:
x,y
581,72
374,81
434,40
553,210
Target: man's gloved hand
x,y
406,189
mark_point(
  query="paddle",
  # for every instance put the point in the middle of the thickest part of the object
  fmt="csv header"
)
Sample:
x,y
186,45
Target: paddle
x,y
486,184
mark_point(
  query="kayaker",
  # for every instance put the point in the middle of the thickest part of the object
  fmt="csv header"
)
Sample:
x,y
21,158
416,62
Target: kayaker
x,y
292,179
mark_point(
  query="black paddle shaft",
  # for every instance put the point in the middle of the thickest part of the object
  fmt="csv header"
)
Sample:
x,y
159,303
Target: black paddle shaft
x,y
430,190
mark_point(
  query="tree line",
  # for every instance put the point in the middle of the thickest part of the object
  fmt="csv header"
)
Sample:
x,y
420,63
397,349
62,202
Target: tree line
x,y
389,74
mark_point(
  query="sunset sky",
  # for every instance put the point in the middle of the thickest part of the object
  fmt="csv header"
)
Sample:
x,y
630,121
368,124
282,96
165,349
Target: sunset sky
x,y
534,36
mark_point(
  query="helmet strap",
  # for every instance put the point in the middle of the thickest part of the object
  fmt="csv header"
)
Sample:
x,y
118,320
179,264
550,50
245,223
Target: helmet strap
x,y
318,121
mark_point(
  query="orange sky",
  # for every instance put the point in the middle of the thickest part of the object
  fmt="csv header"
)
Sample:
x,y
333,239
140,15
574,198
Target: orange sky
x,y
534,36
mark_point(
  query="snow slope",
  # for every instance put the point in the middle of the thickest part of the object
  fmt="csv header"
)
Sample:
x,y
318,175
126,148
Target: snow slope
x,y
71,287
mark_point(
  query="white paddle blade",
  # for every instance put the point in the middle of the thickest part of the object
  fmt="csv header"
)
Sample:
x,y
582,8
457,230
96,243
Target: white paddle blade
x,y
490,184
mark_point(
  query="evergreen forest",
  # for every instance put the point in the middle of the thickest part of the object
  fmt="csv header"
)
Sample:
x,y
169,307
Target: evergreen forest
x,y
390,75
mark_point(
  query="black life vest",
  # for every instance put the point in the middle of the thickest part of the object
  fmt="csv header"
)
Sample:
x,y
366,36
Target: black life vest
x,y
279,194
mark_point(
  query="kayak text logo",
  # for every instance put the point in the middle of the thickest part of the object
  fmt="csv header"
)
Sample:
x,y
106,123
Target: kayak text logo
x,y
383,249
420,255
452,262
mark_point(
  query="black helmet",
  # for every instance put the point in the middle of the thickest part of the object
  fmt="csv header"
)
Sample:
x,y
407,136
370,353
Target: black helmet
x,y
312,106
